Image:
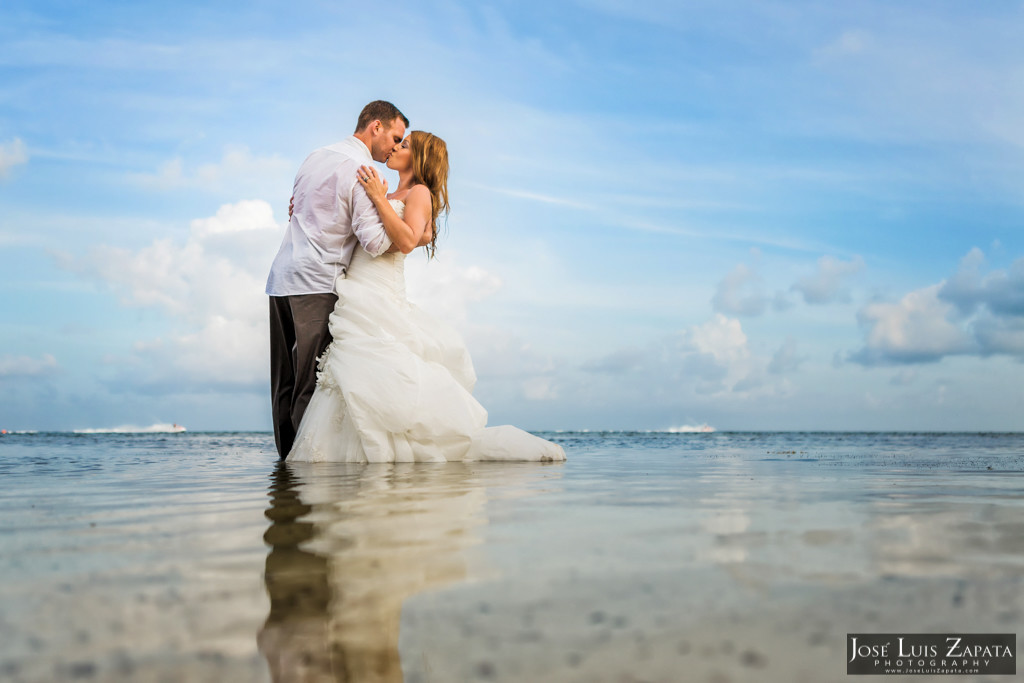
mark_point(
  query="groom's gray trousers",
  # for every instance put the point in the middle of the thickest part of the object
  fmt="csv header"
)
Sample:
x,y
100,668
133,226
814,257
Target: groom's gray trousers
x,y
298,336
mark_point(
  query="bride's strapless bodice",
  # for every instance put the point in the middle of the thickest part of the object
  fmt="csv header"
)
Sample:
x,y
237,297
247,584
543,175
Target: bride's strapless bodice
x,y
385,272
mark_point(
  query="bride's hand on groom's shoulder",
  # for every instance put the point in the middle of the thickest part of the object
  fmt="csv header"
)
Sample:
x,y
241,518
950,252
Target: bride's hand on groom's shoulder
x,y
375,186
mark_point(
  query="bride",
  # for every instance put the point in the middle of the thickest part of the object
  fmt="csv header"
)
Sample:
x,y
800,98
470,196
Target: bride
x,y
395,385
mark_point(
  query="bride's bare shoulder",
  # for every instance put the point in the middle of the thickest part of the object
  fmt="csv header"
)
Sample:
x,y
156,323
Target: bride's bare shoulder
x,y
418,193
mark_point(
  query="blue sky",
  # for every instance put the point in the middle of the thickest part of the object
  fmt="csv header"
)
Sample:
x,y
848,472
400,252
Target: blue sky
x,y
755,215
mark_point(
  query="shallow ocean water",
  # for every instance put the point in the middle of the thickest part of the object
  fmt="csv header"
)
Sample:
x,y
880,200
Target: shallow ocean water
x,y
645,556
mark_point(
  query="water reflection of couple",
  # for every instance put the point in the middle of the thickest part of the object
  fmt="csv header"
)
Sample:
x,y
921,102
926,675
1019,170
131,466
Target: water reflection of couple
x,y
349,543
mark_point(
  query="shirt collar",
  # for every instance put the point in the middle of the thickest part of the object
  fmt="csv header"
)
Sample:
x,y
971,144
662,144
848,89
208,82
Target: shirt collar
x,y
359,144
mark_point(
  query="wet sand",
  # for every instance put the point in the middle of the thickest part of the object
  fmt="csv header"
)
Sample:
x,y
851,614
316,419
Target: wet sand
x,y
640,559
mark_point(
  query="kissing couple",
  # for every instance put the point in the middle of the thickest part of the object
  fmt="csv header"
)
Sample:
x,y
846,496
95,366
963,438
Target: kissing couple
x,y
357,372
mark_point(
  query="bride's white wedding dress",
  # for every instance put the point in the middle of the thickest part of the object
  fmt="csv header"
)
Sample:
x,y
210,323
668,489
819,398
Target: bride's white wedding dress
x,y
395,384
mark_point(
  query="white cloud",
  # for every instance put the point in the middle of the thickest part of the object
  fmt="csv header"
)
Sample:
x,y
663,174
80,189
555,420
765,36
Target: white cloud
x,y
710,358
993,303
971,312
741,291
26,366
826,285
920,327
12,154
212,288
723,338
445,288
1001,292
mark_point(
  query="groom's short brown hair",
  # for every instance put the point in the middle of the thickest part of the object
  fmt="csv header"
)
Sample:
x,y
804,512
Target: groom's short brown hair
x,y
379,110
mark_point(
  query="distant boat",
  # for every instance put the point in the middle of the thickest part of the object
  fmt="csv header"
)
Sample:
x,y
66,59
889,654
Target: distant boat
x,y
692,429
158,428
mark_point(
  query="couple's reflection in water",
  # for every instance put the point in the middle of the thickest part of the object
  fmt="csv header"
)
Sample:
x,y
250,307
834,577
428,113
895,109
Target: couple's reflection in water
x,y
349,543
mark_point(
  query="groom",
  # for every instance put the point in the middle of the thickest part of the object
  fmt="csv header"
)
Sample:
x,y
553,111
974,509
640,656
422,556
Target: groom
x,y
332,216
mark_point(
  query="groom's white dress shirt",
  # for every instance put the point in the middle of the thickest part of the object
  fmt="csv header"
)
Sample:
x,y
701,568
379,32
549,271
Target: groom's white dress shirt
x,y
332,217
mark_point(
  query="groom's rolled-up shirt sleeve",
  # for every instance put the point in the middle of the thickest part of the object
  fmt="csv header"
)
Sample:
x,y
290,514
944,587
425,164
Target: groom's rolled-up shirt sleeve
x,y
366,223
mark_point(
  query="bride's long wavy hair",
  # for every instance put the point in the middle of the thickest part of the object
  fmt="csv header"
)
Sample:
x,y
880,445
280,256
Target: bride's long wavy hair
x,y
430,167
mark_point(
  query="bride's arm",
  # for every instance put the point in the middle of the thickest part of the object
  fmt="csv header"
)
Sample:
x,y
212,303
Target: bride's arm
x,y
405,234
428,234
